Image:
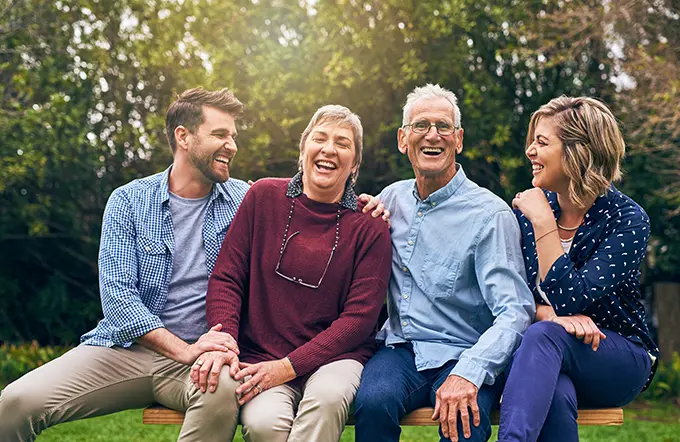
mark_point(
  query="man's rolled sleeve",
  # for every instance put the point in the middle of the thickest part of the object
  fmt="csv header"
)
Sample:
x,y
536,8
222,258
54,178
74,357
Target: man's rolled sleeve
x,y
500,274
118,275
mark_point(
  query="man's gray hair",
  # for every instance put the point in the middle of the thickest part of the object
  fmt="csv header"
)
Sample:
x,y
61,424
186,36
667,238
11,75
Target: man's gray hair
x,y
428,92
334,113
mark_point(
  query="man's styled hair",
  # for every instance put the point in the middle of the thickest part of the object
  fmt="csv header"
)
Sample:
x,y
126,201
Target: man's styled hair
x,y
593,144
187,110
429,92
342,116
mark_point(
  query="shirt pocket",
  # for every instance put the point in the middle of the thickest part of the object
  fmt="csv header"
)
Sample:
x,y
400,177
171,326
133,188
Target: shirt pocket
x,y
152,255
438,275
148,246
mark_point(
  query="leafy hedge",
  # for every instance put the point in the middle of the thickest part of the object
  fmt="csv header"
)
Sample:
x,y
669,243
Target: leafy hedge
x,y
16,360
666,383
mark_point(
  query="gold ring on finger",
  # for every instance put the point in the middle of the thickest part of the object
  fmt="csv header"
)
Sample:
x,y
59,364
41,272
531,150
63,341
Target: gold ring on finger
x,y
199,362
259,389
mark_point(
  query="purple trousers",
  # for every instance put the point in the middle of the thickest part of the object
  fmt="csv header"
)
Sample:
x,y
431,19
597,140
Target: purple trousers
x,y
553,373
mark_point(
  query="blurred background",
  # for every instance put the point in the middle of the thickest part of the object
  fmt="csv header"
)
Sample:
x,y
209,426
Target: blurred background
x,y
84,86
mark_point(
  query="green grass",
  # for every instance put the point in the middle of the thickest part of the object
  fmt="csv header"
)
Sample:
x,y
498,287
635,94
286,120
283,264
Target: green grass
x,y
644,422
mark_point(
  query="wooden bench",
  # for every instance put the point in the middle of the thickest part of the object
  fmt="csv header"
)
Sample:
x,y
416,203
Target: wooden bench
x,y
158,414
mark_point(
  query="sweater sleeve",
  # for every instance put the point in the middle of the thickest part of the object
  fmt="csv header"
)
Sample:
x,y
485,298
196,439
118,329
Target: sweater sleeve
x,y
357,321
228,283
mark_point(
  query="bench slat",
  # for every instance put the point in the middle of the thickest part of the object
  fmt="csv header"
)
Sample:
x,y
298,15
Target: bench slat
x,y
157,414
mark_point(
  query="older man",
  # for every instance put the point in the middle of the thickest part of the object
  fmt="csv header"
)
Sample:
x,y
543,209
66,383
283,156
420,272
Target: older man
x,y
458,301
160,239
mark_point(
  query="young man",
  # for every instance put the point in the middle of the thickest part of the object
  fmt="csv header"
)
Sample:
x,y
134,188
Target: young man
x,y
458,301
160,239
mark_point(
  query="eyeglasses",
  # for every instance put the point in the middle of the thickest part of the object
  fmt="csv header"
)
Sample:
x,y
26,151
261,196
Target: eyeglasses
x,y
424,126
284,244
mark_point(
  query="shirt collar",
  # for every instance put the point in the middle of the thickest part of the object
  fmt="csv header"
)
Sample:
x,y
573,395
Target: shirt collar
x,y
445,192
348,200
217,189
165,192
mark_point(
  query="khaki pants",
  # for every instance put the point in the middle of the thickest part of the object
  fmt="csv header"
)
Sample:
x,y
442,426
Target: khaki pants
x,y
91,381
315,412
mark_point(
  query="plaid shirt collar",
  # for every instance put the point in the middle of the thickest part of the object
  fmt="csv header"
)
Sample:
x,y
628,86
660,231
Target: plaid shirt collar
x,y
164,195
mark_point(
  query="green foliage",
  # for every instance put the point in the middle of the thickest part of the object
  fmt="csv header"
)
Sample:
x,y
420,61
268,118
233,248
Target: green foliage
x,y
84,85
653,423
666,383
17,360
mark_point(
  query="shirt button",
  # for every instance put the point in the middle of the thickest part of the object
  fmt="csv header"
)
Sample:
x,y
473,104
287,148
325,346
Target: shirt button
x,y
404,323
404,269
405,296
410,243
434,204
420,213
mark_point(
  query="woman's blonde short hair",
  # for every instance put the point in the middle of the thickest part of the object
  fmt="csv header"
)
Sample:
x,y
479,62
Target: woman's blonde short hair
x,y
593,144
340,115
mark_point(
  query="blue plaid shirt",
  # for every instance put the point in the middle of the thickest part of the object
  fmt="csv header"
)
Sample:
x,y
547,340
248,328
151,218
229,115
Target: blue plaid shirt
x,y
136,252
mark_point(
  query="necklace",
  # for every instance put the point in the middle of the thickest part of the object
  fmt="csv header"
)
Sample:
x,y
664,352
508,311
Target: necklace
x,y
285,243
290,216
569,229
568,239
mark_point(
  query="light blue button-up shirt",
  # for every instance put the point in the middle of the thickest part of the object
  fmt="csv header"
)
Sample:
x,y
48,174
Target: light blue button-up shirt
x,y
136,253
458,289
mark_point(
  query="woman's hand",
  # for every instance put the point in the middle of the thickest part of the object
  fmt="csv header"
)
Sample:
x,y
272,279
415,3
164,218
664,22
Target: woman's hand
x,y
205,373
582,327
534,205
264,375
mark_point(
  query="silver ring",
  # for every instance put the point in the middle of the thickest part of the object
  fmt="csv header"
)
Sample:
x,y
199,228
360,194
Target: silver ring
x,y
259,389
198,362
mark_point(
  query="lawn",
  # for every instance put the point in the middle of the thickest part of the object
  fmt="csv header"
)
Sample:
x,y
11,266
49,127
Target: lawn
x,y
644,422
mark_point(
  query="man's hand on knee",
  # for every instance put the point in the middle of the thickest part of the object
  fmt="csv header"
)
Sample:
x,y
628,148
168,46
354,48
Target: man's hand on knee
x,y
205,373
213,340
456,396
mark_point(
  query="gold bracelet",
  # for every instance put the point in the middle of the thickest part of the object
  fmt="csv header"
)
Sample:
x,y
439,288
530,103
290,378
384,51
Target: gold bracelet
x,y
545,234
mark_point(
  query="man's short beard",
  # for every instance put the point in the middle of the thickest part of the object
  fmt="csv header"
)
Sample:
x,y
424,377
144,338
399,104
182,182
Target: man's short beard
x,y
204,164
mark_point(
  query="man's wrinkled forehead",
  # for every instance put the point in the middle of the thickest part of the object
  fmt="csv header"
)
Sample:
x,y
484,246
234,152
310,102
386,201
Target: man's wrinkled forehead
x,y
432,108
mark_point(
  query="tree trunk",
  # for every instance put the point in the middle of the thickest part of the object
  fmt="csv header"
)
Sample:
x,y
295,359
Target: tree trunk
x,y
667,310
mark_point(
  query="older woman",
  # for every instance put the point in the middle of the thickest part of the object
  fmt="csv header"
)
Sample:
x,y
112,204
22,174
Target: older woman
x,y
583,243
300,282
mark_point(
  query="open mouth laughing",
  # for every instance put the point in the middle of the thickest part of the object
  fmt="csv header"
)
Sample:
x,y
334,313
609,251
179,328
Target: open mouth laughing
x,y
326,166
431,151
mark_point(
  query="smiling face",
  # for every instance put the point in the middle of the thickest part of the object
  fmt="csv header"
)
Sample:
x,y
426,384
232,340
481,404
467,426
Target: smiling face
x,y
212,147
546,153
432,156
327,161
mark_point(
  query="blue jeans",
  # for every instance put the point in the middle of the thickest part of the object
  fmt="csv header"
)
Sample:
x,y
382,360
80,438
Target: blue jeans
x,y
553,373
391,387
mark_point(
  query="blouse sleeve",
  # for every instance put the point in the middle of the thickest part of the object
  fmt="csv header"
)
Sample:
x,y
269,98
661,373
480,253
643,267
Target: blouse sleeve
x,y
616,259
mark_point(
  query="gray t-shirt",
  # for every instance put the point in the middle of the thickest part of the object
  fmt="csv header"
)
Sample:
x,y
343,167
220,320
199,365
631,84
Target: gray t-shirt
x,y
184,311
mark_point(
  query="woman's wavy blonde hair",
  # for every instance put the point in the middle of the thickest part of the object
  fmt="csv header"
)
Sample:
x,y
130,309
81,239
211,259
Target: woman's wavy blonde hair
x,y
593,144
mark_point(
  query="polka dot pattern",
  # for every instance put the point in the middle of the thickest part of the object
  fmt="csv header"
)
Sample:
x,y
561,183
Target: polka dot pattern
x,y
599,277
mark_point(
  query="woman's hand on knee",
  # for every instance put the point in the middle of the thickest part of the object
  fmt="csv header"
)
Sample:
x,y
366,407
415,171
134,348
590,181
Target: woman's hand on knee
x,y
263,376
583,327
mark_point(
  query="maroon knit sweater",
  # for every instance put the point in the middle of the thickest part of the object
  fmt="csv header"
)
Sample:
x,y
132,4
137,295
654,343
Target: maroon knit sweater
x,y
271,317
